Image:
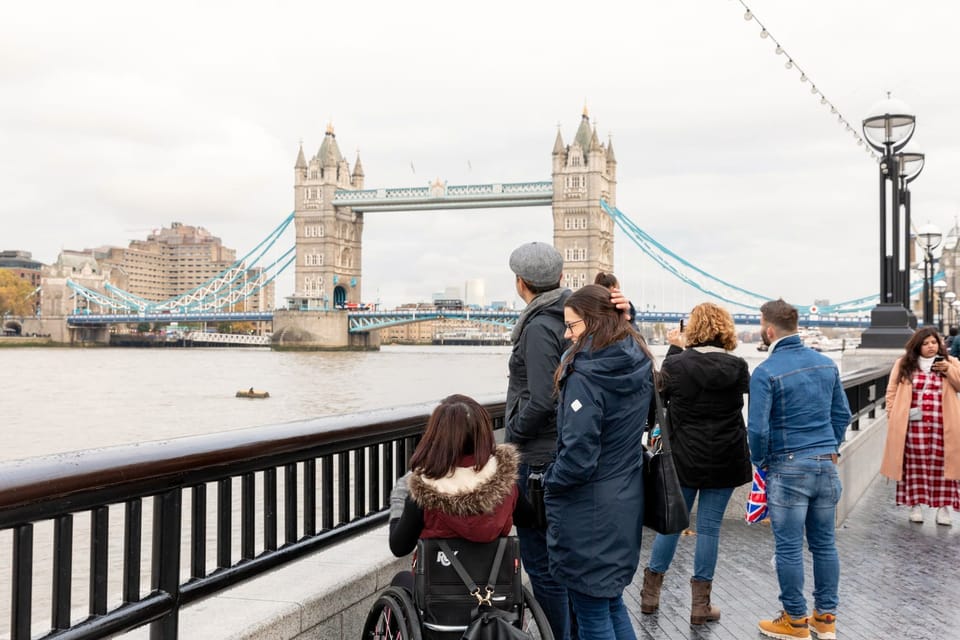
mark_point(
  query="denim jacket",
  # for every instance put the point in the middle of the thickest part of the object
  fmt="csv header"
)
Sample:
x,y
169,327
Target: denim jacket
x,y
797,404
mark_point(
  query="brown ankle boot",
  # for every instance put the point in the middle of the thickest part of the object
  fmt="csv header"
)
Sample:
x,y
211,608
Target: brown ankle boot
x,y
700,608
650,594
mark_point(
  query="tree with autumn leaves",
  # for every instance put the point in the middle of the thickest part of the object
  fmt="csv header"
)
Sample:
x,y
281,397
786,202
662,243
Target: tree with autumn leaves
x,y
16,295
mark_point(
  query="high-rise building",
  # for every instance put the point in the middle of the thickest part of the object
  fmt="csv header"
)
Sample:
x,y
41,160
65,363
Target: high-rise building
x,y
474,293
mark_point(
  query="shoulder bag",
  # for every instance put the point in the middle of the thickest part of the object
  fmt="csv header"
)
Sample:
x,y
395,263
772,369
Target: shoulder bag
x,y
664,509
488,623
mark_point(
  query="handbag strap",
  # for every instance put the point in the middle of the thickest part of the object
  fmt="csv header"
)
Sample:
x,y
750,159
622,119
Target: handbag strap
x,y
664,419
465,577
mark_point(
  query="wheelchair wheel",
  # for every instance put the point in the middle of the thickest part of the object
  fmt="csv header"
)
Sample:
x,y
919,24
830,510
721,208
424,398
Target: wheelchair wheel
x,y
392,617
532,618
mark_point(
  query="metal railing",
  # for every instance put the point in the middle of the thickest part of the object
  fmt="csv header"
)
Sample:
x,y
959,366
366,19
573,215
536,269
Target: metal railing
x,y
314,482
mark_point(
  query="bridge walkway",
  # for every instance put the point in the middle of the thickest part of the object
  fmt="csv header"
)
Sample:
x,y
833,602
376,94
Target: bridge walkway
x,y
897,579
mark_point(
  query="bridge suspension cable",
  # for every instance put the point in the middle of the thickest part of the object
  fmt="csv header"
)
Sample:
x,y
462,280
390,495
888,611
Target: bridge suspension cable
x,y
226,289
720,289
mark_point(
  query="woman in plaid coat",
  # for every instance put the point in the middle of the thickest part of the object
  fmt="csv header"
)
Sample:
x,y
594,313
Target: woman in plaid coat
x,y
922,452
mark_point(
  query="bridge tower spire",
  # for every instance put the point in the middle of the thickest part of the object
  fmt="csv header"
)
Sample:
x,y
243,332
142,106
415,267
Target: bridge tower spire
x,y
584,172
328,266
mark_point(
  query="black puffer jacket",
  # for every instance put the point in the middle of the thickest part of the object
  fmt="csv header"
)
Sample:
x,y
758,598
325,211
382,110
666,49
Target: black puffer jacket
x,y
703,389
531,420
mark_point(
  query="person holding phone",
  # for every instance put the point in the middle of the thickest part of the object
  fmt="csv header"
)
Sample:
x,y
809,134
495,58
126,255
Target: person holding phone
x,y
922,451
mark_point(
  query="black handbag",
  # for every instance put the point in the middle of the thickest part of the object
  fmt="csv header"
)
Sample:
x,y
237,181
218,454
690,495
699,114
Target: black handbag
x,y
489,622
664,509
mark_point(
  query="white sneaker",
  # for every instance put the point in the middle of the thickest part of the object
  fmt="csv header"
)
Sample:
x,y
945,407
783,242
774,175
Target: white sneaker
x,y
943,516
916,514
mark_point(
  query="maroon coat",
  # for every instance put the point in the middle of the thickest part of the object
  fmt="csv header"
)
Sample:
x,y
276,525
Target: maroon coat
x,y
473,505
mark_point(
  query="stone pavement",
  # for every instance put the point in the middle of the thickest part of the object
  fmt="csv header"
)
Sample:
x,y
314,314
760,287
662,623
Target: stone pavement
x,y
897,579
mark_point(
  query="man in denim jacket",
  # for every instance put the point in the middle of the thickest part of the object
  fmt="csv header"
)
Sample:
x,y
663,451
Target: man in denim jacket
x,y
797,418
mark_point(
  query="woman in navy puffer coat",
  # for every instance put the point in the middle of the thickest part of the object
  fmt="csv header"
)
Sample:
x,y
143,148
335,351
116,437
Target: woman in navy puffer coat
x,y
594,489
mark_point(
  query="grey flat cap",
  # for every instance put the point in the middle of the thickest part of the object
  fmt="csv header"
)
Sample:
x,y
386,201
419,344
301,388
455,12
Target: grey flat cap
x,y
538,263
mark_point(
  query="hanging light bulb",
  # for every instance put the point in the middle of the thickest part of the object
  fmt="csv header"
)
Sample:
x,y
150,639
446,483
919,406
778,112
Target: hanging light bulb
x,y
803,77
823,99
764,34
748,15
788,64
779,50
813,89
833,109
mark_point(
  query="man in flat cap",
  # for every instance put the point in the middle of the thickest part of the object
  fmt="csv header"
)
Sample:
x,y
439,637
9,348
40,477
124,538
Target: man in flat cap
x,y
531,418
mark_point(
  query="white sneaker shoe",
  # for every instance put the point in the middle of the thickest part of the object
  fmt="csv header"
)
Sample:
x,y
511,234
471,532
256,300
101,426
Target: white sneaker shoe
x,y
916,514
943,516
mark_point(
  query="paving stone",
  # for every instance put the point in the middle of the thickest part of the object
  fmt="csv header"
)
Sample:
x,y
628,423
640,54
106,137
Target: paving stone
x,y
897,579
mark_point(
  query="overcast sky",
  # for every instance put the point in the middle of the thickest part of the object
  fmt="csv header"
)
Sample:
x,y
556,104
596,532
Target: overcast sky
x,y
117,118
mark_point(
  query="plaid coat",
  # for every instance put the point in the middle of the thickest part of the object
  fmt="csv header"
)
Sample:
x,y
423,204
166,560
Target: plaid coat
x,y
899,397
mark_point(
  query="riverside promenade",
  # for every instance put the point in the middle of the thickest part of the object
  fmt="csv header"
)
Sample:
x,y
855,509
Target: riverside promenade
x,y
897,579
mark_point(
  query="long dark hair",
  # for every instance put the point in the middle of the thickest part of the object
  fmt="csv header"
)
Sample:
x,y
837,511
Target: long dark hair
x,y
458,427
910,362
603,323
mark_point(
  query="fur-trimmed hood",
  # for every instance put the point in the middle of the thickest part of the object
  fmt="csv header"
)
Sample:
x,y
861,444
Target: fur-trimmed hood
x,y
467,492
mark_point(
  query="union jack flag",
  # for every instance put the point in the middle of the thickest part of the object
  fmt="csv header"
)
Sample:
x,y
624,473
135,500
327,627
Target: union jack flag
x,y
757,500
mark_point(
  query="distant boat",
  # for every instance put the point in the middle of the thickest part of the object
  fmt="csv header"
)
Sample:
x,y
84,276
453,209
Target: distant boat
x,y
253,393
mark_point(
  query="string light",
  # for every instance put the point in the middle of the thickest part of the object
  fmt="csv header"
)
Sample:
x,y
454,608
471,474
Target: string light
x,y
791,64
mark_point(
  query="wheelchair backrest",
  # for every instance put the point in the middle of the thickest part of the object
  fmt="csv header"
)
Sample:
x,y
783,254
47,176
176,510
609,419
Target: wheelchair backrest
x,y
439,593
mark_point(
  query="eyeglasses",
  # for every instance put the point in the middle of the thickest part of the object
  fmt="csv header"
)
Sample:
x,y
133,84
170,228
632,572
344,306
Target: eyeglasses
x,y
571,325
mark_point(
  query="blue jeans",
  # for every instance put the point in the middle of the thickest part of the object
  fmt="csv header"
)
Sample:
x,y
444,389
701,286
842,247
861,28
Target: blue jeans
x,y
802,494
551,595
601,618
713,503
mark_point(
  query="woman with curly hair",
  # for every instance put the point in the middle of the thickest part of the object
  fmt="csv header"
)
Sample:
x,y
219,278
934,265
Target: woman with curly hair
x,y
703,388
922,452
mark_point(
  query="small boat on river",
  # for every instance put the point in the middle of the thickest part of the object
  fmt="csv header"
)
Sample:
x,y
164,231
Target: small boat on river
x,y
252,393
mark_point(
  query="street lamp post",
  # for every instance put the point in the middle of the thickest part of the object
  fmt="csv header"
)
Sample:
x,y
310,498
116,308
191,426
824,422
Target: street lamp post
x,y
940,288
956,311
928,239
950,297
888,129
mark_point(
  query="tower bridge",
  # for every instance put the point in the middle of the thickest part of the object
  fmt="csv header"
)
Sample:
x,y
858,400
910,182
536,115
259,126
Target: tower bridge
x,y
331,201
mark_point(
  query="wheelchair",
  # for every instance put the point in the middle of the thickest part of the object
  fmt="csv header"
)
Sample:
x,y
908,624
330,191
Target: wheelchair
x,y
440,606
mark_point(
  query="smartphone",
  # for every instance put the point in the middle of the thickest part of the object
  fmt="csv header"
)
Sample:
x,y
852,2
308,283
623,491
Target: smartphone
x,y
681,325
938,359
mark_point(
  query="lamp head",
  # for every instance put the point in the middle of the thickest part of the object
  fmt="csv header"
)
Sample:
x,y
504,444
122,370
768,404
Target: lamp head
x,y
890,124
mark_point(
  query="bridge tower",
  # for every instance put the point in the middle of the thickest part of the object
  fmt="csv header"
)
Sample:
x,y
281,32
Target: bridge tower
x,y
583,172
328,264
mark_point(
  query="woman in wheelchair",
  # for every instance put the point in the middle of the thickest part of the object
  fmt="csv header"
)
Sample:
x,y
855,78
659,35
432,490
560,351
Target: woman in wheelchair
x,y
461,492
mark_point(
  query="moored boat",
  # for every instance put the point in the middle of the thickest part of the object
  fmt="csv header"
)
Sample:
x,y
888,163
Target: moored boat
x,y
252,393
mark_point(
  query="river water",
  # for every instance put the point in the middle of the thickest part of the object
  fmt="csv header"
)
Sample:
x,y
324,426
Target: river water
x,y
60,399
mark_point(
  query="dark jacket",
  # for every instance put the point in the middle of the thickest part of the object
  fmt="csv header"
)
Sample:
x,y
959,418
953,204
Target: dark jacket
x,y
531,416
473,505
703,387
594,489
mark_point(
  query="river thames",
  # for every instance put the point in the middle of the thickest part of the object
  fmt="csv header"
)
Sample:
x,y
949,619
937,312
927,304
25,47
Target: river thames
x,y
61,399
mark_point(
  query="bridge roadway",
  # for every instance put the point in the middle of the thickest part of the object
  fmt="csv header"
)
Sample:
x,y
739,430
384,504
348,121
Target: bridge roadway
x,y
898,579
365,321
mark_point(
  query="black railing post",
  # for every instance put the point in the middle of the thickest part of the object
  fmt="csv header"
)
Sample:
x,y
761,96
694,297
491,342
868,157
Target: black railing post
x,y
99,546
166,561
62,571
22,582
